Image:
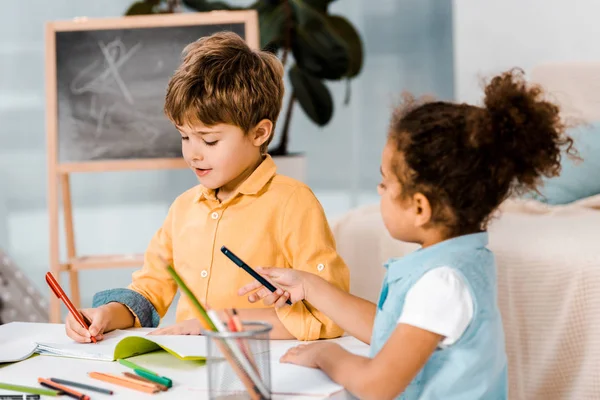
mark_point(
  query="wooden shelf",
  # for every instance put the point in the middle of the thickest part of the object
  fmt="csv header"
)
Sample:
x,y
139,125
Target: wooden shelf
x,y
105,261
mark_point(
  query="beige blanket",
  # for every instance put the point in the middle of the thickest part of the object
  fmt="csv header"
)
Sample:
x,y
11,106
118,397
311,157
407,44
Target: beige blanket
x,y
549,289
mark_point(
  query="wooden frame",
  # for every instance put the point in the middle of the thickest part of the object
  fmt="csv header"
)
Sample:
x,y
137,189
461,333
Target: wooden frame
x,y
59,173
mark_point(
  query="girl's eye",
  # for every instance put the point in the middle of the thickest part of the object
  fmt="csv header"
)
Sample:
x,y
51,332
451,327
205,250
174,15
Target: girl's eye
x,y
381,186
184,138
211,143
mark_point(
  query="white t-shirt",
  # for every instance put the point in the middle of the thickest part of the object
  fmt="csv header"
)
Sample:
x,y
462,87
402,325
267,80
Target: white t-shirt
x,y
439,302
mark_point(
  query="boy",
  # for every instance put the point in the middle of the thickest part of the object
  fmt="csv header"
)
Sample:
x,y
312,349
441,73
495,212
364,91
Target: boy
x,y
224,99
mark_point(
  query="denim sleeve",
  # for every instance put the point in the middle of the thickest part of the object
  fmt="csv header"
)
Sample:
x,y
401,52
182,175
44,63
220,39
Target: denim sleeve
x,y
141,307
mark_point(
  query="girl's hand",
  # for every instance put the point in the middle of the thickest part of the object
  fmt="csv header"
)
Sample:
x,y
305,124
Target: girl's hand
x,y
97,319
188,327
290,283
307,355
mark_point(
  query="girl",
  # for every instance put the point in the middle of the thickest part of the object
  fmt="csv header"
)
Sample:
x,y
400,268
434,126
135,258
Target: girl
x,y
436,332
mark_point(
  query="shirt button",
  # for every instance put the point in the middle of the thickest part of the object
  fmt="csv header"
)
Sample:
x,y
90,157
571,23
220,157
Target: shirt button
x,y
204,273
214,215
320,267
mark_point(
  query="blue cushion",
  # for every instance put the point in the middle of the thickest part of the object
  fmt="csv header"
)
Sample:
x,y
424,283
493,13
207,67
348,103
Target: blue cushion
x,y
578,179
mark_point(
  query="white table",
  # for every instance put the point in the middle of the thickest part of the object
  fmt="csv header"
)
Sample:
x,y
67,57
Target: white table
x,y
189,377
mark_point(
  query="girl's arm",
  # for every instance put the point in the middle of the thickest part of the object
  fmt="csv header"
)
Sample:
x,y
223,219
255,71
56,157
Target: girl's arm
x,y
383,377
353,314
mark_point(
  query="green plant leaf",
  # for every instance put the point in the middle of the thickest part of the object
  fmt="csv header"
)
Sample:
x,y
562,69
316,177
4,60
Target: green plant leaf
x,y
316,46
313,96
203,5
272,23
319,52
319,5
141,8
353,43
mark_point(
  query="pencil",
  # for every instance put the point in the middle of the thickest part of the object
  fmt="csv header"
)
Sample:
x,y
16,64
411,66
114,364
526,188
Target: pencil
x,y
241,359
68,391
246,348
236,320
81,386
204,318
208,324
123,381
230,323
130,364
27,389
19,397
139,378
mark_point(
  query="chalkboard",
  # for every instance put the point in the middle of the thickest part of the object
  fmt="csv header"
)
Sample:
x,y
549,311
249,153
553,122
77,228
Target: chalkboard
x,y
111,86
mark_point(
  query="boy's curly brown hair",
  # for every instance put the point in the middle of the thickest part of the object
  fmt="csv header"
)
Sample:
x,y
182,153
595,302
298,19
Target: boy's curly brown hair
x,y
467,160
222,80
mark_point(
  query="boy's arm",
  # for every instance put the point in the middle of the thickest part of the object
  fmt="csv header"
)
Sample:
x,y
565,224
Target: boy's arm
x,y
308,245
268,315
152,290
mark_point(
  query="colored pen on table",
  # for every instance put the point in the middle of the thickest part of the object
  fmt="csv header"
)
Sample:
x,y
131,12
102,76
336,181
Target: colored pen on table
x,y
124,381
237,261
139,378
81,386
141,371
19,397
28,389
63,389
154,378
60,293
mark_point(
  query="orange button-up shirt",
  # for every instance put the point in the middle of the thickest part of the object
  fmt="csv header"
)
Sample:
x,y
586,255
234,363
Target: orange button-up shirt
x,y
271,220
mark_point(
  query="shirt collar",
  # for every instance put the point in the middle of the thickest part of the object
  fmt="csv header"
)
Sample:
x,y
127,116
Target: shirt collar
x,y
254,184
397,267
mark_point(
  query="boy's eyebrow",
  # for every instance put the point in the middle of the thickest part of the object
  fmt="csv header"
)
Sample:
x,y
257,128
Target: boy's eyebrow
x,y
205,132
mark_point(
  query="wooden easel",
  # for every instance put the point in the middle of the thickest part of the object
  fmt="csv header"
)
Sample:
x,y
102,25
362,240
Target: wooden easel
x,y
59,172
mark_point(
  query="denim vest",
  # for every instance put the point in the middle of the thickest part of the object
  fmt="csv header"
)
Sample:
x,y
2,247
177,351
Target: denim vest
x,y
475,366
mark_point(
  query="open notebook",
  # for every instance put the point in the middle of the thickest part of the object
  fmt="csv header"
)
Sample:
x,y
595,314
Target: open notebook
x,y
116,344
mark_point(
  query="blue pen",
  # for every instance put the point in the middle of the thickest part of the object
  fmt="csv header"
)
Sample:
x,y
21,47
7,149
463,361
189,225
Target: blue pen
x,y
249,270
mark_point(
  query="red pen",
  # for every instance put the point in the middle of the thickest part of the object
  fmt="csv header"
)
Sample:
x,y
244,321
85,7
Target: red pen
x,y
60,293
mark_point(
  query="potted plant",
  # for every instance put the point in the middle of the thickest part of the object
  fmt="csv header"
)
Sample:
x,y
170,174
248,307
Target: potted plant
x,y
324,47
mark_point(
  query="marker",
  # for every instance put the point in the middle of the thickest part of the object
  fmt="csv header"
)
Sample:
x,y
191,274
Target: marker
x,y
249,270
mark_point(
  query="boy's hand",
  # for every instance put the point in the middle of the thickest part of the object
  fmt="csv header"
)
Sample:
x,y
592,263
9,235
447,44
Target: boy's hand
x,y
98,319
306,354
291,285
188,327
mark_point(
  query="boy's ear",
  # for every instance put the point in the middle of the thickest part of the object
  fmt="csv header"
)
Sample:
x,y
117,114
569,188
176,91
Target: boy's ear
x,y
422,209
261,132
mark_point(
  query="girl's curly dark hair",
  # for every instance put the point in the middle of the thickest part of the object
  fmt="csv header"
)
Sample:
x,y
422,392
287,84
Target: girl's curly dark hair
x,y
466,160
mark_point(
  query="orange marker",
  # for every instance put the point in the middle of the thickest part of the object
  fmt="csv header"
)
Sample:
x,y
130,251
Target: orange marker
x,y
60,293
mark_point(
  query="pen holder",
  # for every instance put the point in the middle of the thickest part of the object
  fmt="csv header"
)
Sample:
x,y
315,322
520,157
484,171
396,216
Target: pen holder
x,y
238,363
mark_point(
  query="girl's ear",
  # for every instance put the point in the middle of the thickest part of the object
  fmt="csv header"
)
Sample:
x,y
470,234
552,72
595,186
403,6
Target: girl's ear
x,y
422,209
261,133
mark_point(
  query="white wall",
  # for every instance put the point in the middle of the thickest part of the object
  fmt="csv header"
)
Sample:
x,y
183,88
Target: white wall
x,y
492,36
